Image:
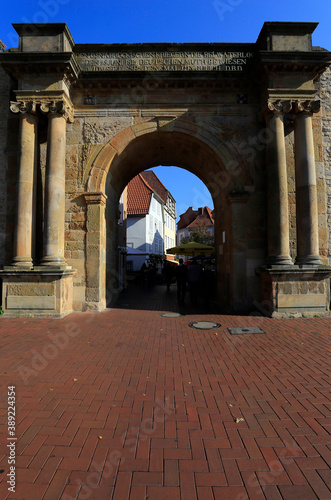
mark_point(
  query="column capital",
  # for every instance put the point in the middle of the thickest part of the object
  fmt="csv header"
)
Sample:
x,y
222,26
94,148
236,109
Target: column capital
x,y
95,198
23,107
307,106
53,102
278,106
60,107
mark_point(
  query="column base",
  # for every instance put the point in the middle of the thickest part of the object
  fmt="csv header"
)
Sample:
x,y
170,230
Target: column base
x,y
52,261
25,262
308,260
36,293
279,260
295,291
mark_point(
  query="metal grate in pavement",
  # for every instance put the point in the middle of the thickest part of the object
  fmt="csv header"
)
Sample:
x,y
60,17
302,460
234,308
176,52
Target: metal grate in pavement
x,y
171,315
246,330
204,325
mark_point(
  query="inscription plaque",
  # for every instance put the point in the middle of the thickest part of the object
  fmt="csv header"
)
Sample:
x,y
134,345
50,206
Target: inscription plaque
x,y
164,61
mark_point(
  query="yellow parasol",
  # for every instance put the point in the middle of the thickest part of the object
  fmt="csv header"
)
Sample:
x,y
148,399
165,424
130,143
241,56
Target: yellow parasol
x,y
191,248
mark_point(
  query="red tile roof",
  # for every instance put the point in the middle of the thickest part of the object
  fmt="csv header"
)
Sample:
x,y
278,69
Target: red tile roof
x,y
192,218
152,179
139,196
205,217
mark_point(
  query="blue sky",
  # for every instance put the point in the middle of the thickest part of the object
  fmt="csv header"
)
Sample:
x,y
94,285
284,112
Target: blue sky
x,y
165,20
128,21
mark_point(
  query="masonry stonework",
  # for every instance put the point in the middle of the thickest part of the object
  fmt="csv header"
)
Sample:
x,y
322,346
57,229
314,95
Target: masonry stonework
x,y
325,95
251,120
4,111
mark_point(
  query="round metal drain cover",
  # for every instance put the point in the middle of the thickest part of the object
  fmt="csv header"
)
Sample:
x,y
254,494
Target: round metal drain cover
x,y
204,325
171,315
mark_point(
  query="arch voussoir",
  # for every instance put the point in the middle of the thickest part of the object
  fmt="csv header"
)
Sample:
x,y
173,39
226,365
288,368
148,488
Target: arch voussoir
x,y
143,128
122,139
97,180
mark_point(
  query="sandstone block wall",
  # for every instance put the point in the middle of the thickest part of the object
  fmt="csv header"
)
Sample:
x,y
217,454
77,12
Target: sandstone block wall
x,y
4,111
325,95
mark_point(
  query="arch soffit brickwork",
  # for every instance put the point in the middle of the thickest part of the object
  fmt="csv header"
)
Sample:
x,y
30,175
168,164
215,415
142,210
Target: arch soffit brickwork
x,y
216,146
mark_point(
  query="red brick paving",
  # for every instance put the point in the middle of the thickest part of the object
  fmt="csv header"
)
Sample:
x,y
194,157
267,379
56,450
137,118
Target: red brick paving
x,y
129,405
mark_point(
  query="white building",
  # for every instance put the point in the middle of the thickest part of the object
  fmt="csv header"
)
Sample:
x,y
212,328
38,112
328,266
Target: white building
x,y
145,223
169,208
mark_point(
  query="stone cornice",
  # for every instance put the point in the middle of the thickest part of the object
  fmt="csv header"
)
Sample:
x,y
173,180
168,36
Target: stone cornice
x,y
306,66
18,64
95,198
290,94
292,272
296,60
46,102
14,272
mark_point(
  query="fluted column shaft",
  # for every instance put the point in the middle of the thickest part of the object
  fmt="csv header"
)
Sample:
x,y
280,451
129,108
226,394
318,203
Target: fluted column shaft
x,y
306,190
55,191
24,232
278,220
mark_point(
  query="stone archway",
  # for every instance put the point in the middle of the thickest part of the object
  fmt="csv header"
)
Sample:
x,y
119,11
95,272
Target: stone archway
x,y
110,111
168,142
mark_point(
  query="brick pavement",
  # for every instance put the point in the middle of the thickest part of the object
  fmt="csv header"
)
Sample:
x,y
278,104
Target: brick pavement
x,y
131,405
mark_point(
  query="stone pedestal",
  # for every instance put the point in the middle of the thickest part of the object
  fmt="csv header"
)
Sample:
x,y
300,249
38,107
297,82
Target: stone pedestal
x,y
36,293
292,290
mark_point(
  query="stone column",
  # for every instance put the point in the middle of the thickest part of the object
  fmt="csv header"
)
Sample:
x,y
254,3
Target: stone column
x,y
26,194
278,219
55,184
95,252
305,181
238,202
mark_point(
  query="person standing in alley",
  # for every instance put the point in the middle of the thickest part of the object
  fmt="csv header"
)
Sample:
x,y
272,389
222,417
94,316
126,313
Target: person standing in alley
x,y
181,278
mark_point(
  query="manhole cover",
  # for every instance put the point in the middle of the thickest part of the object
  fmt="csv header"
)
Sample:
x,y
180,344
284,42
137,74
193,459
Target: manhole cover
x,y
204,325
246,330
171,315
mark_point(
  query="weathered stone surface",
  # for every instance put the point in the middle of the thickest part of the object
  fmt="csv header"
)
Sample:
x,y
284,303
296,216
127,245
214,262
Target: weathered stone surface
x,y
325,95
5,86
75,132
21,289
101,130
31,303
302,301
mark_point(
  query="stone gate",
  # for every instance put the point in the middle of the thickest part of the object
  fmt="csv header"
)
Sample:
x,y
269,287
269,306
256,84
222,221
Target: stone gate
x,y
79,121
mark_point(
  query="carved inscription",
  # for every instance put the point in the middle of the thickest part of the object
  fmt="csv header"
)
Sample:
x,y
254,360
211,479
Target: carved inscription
x,y
164,61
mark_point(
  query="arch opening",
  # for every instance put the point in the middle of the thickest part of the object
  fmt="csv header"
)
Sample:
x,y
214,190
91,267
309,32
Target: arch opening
x,y
159,201
192,154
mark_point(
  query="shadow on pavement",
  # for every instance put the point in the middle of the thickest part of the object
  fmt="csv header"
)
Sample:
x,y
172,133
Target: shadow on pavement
x,y
157,298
